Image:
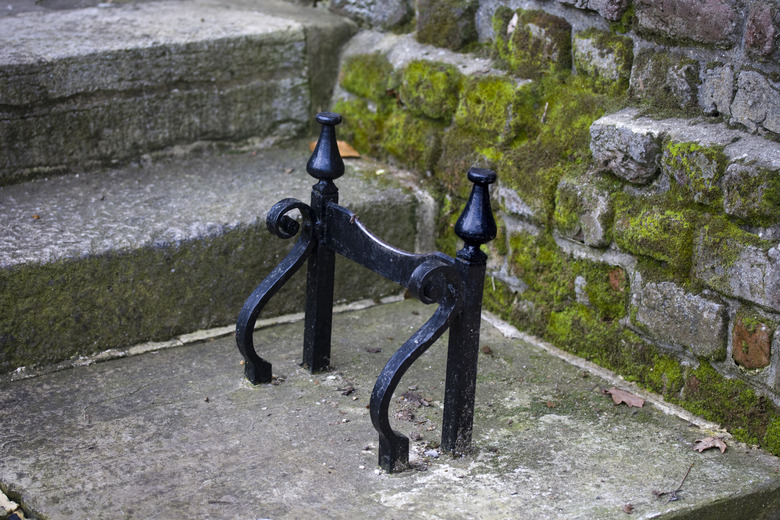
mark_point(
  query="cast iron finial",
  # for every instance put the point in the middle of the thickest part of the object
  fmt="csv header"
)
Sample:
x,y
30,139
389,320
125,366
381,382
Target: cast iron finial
x,y
476,224
325,162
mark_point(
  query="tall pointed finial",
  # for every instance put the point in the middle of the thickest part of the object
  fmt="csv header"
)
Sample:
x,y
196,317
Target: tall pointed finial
x,y
325,162
476,224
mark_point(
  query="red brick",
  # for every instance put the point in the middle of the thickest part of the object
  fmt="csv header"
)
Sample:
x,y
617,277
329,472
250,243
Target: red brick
x,y
702,21
751,349
760,31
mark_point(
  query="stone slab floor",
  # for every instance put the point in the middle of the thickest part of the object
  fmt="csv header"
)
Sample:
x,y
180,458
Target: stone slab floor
x,y
177,433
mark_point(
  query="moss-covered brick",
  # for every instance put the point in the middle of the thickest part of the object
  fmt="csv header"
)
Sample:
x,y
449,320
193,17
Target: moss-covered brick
x,y
737,263
415,142
697,169
531,43
460,150
361,127
583,208
499,108
604,57
447,23
430,89
655,229
752,194
366,75
665,80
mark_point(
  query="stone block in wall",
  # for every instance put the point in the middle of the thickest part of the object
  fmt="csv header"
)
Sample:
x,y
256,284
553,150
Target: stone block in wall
x,y
605,57
530,42
761,29
366,75
583,209
655,230
697,168
708,22
751,342
737,263
625,146
498,108
716,90
665,79
415,141
757,103
430,89
672,315
611,10
447,23
752,192
383,14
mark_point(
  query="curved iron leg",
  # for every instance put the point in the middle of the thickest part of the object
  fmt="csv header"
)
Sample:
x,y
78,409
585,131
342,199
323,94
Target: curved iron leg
x,y
256,369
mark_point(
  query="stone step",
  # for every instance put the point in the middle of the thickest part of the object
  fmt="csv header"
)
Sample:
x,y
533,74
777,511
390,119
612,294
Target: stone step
x,y
178,433
105,84
102,260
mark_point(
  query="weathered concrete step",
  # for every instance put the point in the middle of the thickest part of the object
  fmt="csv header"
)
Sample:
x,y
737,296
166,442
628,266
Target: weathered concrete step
x,y
101,260
179,434
90,86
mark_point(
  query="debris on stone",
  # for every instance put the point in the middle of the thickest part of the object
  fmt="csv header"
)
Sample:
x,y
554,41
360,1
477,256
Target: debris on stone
x,y
487,350
621,396
434,454
374,350
347,390
628,508
709,442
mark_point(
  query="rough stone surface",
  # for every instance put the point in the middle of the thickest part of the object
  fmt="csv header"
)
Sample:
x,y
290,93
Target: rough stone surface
x,y
149,252
382,14
610,9
672,315
95,85
701,21
629,148
757,103
761,30
716,91
592,206
534,42
751,348
179,434
739,269
447,23
752,192
605,57
665,79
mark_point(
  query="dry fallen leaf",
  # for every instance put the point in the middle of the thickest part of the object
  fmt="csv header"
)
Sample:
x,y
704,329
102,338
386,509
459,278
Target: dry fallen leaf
x,y
621,396
628,508
709,442
345,149
487,350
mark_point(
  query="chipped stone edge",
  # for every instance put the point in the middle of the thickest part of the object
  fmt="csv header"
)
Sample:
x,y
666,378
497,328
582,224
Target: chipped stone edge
x,y
510,331
182,340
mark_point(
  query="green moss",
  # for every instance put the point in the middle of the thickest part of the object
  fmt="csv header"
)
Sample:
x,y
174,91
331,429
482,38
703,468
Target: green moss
x,y
367,75
361,126
655,229
605,58
447,23
538,44
415,142
666,81
771,439
430,89
498,108
753,195
460,151
626,22
665,376
697,169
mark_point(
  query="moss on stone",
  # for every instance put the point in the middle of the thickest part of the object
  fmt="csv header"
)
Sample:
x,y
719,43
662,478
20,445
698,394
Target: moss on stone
x,y
366,75
626,22
605,58
414,141
498,108
430,89
532,43
752,195
697,169
665,376
447,23
361,127
656,229
667,81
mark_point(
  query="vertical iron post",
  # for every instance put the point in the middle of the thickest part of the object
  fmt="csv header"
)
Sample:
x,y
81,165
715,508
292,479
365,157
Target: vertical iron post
x,y
475,226
325,165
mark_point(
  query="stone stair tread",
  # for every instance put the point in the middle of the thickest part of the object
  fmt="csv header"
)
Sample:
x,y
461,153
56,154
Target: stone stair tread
x,y
178,433
151,251
100,85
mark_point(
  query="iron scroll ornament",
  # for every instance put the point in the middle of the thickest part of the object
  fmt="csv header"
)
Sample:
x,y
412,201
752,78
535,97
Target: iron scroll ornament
x,y
455,284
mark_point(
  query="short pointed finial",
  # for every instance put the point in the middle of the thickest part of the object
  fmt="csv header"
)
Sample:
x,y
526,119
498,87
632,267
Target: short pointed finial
x,y
325,162
476,225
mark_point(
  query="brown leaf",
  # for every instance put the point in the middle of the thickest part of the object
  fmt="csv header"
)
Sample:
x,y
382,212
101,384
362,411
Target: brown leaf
x,y
709,442
487,350
621,396
374,350
628,508
345,149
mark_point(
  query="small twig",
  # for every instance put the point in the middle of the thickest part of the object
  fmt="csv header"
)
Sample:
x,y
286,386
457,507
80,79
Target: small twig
x,y
673,494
